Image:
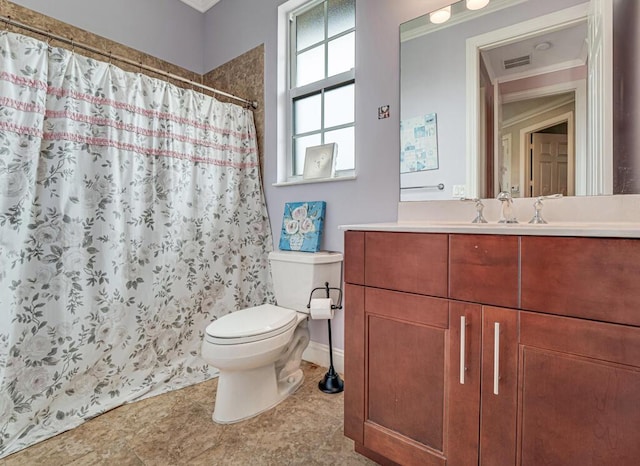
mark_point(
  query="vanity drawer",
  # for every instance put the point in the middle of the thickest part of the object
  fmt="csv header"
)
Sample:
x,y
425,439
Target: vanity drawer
x,y
411,262
592,278
484,269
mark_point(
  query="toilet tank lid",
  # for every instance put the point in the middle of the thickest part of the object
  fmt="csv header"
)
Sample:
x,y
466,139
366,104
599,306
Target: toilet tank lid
x,y
322,257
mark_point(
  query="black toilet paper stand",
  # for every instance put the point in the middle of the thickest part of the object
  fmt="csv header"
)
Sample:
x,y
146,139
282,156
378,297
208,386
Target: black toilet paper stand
x,y
331,383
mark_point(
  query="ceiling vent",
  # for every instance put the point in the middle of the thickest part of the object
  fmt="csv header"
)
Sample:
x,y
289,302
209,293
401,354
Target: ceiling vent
x,y
517,62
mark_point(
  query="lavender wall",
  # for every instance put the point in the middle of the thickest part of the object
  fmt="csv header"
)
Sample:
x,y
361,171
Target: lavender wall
x,y
234,26
166,29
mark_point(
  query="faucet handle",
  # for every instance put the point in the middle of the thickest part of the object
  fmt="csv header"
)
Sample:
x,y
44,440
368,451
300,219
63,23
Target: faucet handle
x,y
537,207
479,208
551,196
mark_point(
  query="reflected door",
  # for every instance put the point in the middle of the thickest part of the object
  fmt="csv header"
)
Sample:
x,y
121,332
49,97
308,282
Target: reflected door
x,y
549,164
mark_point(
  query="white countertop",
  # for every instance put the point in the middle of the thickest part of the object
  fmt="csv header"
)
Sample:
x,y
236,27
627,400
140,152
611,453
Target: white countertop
x,y
594,229
594,216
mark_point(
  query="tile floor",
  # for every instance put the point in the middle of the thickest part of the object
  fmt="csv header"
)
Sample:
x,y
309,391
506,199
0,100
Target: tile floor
x,y
176,429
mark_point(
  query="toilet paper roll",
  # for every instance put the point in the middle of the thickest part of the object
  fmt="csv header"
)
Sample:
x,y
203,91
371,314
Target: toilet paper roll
x,y
321,308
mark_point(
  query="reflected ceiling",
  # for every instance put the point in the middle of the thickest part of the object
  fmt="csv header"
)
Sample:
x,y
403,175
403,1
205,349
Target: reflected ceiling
x,y
560,49
200,5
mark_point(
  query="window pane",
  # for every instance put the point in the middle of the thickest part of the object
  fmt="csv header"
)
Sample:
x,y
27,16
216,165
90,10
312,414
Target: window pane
x,y
342,16
310,27
324,47
300,144
310,66
338,106
342,54
346,147
308,112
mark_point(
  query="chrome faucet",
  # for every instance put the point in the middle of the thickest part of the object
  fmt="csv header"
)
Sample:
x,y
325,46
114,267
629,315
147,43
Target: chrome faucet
x,y
479,208
537,207
506,208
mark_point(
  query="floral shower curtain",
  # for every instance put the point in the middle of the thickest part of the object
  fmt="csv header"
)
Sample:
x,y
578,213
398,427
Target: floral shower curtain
x,y
131,216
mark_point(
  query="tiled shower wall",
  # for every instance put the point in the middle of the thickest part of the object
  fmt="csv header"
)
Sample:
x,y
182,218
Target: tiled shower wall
x,y
243,76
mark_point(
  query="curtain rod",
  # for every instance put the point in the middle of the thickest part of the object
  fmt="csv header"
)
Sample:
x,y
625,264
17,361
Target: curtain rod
x,y
7,19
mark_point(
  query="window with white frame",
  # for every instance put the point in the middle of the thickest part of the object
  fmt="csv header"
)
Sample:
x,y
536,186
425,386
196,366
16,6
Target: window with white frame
x,y
320,102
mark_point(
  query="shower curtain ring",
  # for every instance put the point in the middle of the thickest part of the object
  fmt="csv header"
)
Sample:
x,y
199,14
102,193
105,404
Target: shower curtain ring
x,y
8,23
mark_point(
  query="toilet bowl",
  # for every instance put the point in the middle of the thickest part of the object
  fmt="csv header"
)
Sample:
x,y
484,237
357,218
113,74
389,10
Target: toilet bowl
x,y
251,380
258,350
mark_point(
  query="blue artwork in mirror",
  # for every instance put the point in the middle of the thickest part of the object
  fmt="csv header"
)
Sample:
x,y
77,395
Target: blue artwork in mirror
x,y
419,140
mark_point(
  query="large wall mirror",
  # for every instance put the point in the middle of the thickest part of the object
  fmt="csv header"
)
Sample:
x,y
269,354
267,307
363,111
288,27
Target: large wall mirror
x,y
519,96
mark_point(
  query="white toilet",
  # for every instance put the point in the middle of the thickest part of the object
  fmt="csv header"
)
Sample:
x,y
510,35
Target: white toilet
x,y
258,350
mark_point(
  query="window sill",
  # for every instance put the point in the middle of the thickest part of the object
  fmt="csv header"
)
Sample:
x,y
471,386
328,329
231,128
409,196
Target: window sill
x,y
318,180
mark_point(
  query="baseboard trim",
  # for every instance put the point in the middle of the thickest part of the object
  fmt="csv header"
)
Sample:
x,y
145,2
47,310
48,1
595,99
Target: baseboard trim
x,y
318,353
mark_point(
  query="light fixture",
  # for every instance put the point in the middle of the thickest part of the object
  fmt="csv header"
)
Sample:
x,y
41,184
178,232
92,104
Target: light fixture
x,y
476,4
542,46
440,16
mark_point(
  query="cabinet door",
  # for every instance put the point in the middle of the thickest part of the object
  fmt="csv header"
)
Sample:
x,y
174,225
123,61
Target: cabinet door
x,y
579,390
465,338
411,405
405,376
499,386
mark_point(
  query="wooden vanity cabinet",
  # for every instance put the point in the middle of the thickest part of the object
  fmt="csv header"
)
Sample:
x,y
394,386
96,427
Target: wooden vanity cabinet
x,y
558,391
553,381
405,401
578,392
579,376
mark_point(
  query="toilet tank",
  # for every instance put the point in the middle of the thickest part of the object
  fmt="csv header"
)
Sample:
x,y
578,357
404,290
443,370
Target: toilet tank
x,y
296,273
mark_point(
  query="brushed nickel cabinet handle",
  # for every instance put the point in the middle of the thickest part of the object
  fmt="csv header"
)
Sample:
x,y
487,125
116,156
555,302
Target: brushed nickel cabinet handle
x,y
463,341
496,358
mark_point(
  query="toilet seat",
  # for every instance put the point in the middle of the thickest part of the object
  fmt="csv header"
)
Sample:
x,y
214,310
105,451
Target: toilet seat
x,y
251,324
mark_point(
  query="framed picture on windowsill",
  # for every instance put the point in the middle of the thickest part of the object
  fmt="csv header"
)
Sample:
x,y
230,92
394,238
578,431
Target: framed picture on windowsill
x,y
320,161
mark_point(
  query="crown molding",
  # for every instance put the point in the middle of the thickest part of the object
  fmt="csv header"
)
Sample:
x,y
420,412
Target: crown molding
x,y
201,5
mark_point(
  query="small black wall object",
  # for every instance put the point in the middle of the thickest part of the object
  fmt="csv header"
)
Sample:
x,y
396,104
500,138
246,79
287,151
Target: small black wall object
x,y
331,383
